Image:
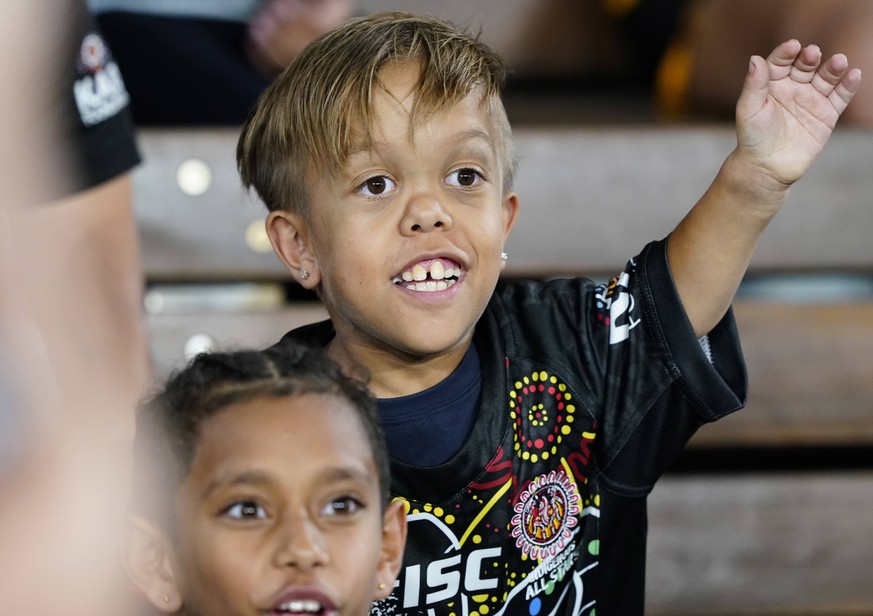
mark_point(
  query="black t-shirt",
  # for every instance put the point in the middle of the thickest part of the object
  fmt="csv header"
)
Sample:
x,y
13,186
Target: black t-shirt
x,y
94,108
588,394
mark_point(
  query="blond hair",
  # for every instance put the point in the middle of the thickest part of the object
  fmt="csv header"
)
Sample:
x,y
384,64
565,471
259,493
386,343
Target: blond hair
x,y
306,121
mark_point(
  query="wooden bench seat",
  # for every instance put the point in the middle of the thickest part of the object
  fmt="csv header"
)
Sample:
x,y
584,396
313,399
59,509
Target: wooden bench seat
x,y
590,198
792,544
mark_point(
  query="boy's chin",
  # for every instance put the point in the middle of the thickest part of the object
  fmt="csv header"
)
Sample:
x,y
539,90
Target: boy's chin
x,y
436,343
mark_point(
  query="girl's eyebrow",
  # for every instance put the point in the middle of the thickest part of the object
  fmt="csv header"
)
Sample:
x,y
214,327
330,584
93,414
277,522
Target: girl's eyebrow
x,y
333,474
345,473
228,480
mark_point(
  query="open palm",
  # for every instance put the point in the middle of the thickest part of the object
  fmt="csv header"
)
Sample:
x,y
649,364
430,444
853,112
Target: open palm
x,y
789,106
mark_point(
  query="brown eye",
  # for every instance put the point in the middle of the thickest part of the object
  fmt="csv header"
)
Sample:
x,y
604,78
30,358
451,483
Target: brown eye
x,y
245,510
376,185
343,506
465,177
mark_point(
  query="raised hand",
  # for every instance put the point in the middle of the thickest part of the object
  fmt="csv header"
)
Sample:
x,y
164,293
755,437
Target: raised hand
x,y
788,108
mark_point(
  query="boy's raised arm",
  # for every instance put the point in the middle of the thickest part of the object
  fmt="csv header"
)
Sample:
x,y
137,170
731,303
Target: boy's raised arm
x,y
785,114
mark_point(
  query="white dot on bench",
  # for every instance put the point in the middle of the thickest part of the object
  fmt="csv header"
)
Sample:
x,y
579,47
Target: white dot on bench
x,y
257,238
194,177
198,343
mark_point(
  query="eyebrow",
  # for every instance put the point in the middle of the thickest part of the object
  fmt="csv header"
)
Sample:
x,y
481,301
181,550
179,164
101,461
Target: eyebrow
x,y
229,480
261,478
344,473
474,135
460,138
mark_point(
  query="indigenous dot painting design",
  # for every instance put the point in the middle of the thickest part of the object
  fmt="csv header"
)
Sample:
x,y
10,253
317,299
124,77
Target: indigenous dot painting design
x,y
541,410
545,515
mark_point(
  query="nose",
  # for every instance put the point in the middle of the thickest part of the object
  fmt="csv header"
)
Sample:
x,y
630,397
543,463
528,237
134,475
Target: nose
x,y
299,543
425,213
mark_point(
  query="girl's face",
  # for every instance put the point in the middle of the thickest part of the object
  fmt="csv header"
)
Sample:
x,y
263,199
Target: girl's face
x,y
281,513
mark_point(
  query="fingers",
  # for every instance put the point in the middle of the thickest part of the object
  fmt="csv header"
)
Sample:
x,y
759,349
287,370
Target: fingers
x,y
836,81
805,65
845,89
781,60
832,78
793,61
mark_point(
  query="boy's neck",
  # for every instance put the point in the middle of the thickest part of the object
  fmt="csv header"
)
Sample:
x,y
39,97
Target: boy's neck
x,y
390,373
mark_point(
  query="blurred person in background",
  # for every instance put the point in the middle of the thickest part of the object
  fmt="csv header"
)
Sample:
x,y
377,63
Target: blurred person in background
x,y
704,66
205,62
73,349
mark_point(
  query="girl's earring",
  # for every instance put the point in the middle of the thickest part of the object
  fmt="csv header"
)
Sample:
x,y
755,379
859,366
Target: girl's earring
x,y
504,256
304,274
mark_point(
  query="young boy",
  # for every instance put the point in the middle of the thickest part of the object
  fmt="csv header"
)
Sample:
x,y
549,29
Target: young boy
x,y
262,488
526,423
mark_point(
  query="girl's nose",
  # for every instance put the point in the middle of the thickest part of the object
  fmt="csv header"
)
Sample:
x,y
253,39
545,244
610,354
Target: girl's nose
x,y
300,544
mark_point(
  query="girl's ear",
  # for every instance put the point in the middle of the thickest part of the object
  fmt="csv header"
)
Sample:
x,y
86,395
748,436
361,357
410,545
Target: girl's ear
x,y
147,558
393,543
289,235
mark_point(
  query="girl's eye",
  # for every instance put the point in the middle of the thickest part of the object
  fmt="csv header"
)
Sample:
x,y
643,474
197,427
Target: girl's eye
x,y
465,177
376,185
345,505
245,510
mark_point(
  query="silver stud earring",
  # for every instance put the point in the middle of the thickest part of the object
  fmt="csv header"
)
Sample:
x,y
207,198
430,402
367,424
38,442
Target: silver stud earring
x,y
304,274
504,256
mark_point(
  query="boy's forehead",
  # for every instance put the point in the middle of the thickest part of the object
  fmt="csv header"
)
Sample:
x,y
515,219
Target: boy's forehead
x,y
397,110
397,82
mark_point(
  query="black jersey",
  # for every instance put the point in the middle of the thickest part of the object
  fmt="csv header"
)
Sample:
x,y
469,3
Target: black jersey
x,y
588,394
94,107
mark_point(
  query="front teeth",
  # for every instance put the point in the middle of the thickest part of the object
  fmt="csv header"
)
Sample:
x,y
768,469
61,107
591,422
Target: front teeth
x,y
419,273
441,277
303,606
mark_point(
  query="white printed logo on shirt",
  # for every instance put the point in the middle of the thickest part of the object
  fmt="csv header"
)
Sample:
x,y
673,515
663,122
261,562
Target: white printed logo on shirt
x,y
99,91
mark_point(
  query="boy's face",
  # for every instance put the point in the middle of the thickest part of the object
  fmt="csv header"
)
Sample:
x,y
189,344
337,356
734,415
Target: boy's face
x,y
281,511
407,242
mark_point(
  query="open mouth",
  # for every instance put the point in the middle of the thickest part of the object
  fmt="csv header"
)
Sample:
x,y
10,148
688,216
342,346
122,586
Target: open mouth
x,y
429,276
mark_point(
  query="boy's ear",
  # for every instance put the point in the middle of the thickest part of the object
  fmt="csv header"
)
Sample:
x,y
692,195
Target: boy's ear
x,y
148,561
510,211
289,236
393,543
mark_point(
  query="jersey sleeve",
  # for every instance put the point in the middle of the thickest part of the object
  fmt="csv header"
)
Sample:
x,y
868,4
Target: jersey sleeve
x,y
661,381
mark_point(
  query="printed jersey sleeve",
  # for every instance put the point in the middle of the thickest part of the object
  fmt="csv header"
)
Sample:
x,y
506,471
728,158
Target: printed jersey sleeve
x,y
662,381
